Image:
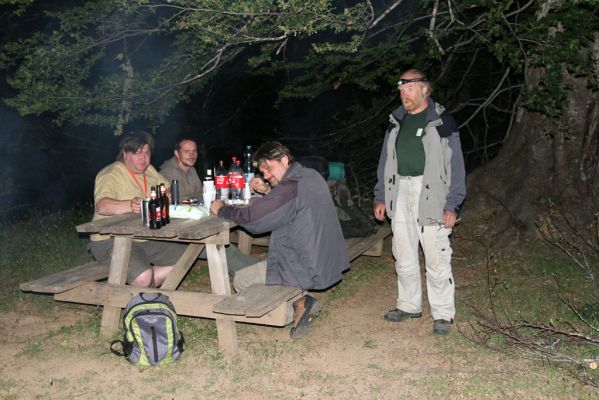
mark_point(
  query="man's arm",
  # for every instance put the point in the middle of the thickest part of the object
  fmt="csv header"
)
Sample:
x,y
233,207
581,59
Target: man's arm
x,y
108,206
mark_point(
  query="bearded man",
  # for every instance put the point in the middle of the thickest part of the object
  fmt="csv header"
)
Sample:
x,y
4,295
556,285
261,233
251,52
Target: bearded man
x,y
421,185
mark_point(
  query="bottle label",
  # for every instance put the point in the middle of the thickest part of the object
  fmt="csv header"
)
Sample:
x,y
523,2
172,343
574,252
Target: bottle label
x,y
221,182
236,181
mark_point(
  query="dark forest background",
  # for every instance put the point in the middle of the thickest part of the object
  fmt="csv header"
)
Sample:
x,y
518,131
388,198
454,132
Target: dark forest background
x,y
520,77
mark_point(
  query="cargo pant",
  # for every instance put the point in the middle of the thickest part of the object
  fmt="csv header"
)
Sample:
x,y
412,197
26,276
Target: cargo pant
x,y
434,239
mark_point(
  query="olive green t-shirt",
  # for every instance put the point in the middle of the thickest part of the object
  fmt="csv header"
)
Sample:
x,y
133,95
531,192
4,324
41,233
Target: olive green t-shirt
x,y
408,146
115,182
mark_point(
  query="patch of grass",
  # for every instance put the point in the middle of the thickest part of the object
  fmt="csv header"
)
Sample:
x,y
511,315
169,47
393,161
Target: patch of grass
x,y
360,273
42,244
369,344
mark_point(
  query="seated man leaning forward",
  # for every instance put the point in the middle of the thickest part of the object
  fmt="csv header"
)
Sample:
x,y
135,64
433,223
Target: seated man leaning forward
x,y
182,168
306,249
119,189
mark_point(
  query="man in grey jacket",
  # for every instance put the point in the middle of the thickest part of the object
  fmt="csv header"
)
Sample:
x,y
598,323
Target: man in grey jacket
x,y
182,168
306,248
421,185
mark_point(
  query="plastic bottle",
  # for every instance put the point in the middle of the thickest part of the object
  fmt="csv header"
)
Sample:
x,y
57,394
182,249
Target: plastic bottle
x,y
221,181
236,183
248,172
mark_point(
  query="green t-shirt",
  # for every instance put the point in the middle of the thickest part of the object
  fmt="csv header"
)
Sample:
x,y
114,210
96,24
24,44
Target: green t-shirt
x,y
408,146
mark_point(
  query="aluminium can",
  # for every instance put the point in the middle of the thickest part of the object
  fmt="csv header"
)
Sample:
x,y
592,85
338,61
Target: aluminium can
x,y
145,212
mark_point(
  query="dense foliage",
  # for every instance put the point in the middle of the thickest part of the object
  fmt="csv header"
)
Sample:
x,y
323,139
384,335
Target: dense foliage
x,y
115,63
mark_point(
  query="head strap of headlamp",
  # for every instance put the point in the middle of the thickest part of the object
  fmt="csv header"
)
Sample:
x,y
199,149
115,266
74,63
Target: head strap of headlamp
x,y
404,81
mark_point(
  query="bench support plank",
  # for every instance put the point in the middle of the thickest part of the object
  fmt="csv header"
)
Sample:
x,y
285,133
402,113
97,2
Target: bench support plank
x,y
192,304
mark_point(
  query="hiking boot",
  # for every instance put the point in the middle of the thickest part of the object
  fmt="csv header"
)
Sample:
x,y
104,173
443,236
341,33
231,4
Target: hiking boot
x,y
397,315
442,326
305,310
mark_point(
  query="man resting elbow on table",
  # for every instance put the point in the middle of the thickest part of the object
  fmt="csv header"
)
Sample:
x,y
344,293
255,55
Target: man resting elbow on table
x,y
306,248
119,189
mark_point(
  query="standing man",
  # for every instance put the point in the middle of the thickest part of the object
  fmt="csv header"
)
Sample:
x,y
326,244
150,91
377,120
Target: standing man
x,y
306,249
119,189
181,167
421,185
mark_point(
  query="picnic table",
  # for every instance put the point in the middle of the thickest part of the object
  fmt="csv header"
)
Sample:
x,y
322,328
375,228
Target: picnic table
x,y
259,304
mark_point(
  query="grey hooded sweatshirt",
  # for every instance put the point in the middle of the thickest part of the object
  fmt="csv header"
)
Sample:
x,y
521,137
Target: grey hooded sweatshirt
x,y
189,182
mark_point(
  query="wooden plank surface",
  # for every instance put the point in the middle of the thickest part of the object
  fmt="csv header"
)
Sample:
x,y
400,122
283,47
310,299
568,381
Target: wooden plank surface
x,y
256,300
358,246
193,304
68,279
131,224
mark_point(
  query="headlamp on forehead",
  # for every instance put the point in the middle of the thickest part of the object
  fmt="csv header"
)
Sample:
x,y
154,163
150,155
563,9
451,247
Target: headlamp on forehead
x,y
404,81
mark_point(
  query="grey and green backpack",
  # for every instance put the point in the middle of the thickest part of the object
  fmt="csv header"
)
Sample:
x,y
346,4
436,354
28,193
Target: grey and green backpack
x,y
151,334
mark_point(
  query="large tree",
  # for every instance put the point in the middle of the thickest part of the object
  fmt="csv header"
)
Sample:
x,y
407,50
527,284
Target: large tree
x,y
520,76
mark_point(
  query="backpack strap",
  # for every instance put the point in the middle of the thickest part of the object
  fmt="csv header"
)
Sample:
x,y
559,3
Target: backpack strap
x,y
120,353
126,348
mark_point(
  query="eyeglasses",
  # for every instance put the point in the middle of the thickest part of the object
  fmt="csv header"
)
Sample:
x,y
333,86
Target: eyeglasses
x,y
404,81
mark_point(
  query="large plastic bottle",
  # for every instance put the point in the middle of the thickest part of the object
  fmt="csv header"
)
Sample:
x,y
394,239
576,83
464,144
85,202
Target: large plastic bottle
x,y
248,172
236,183
221,181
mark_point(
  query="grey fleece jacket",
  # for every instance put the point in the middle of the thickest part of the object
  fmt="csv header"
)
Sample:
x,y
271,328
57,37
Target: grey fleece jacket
x,y
306,249
189,182
444,177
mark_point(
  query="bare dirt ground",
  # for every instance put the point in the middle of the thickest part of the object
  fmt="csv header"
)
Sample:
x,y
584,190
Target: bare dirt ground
x,y
350,353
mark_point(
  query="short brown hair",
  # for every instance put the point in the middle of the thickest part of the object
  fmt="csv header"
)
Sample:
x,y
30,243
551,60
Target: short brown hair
x,y
132,142
272,150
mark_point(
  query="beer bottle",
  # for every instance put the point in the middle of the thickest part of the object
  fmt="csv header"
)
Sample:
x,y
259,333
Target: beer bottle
x,y
154,210
164,205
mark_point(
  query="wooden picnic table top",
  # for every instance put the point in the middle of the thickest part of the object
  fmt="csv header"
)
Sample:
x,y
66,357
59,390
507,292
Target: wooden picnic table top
x,y
178,229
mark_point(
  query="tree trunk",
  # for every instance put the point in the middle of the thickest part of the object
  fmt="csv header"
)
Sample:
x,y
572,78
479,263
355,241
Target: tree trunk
x,y
542,159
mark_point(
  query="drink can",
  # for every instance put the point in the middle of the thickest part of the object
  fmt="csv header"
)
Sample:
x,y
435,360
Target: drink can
x,y
145,212
175,191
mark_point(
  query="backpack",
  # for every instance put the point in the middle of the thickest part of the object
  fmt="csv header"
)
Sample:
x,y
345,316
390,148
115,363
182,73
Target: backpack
x,y
353,220
151,333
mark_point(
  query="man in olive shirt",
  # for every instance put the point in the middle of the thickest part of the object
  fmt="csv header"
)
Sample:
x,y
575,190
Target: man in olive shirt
x,y
181,168
119,189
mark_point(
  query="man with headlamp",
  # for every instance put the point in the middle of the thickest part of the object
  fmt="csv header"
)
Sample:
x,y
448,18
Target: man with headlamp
x,y
421,185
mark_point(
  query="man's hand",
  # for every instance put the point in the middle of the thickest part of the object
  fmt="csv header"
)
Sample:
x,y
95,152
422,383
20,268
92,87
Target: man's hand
x,y
379,211
136,205
449,218
216,205
259,186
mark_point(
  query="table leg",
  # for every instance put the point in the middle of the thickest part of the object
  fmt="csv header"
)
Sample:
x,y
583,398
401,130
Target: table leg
x,y
245,242
117,276
219,279
183,265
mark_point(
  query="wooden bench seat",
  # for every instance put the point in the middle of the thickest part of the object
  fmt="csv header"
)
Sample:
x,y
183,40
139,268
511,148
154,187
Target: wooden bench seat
x,y
371,245
257,300
68,279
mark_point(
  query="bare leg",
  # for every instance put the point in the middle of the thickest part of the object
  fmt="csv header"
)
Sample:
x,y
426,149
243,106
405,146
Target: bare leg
x,y
160,274
145,279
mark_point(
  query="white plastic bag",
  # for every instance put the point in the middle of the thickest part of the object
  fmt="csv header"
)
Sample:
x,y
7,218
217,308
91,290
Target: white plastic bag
x,y
188,211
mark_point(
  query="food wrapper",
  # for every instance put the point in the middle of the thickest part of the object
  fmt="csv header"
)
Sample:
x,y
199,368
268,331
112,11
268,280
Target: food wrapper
x,y
188,211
